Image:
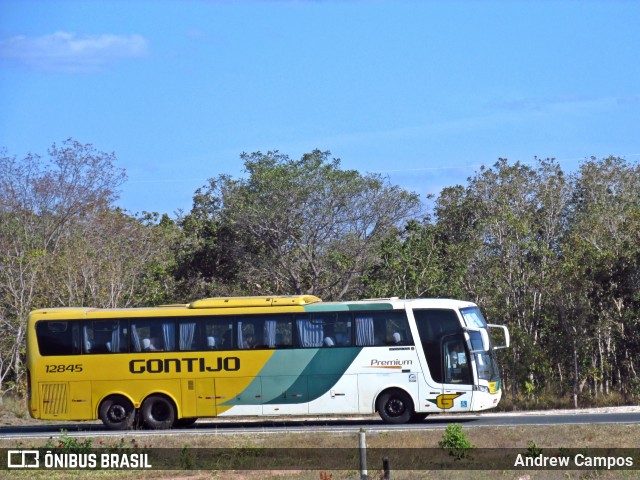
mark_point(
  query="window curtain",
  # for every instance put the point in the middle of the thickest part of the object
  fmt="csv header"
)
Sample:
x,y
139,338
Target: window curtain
x,y
240,337
115,338
187,332
169,335
310,333
270,333
364,331
135,339
85,339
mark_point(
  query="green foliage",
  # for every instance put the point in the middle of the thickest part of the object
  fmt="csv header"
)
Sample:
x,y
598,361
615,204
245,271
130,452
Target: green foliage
x,y
455,441
554,256
532,449
187,460
70,444
291,226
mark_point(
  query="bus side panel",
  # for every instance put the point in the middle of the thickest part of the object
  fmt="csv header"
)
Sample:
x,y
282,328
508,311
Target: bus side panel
x,y
205,397
341,398
429,398
292,397
372,384
54,400
380,368
65,400
238,396
80,407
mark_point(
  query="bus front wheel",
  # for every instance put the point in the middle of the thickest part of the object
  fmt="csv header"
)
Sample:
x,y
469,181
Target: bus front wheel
x,y
117,413
158,412
418,417
395,406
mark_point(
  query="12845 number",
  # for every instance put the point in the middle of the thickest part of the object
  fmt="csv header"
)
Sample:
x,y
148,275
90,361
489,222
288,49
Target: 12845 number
x,y
64,368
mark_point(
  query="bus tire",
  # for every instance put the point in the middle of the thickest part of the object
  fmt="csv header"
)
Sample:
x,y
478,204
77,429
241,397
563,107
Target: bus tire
x,y
418,417
158,412
184,422
395,406
117,412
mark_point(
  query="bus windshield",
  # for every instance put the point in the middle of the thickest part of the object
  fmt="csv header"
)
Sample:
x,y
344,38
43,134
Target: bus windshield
x,y
473,317
485,361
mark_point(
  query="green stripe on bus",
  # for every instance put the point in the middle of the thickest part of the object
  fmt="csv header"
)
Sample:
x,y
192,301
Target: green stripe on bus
x,y
326,368
347,308
298,376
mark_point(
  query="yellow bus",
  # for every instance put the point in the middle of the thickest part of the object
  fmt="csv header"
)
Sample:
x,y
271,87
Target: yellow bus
x,y
167,366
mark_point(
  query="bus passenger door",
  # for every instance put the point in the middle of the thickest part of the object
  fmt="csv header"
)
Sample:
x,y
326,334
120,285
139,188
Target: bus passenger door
x,y
457,386
443,388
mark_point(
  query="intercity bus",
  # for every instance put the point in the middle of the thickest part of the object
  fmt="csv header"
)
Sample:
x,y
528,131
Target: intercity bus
x,y
167,366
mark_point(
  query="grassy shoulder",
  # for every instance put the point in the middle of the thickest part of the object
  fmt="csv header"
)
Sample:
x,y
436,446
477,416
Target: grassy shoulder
x,y
517,437
521,437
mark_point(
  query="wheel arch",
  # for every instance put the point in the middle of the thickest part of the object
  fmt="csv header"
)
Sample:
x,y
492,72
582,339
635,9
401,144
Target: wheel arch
x,y
164,393
389,389
98,404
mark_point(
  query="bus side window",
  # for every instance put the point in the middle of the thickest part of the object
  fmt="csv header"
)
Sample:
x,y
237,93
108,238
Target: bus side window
x,y
336,328
382,328
246,334
161,330
104,336
342,330
310,331
58,337
456,361
278,331
265,332
215,333
187,335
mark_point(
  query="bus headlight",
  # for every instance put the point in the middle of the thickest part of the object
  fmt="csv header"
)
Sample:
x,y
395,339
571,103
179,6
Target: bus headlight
x,y
482,388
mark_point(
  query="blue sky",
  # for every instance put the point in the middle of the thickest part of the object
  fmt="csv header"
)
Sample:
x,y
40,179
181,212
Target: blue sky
x,y
424,92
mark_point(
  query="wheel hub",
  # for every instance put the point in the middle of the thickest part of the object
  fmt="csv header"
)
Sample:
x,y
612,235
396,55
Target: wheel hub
x,y
395,407
117,413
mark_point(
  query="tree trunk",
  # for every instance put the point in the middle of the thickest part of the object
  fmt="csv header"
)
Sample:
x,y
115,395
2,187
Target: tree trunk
x,y
575,375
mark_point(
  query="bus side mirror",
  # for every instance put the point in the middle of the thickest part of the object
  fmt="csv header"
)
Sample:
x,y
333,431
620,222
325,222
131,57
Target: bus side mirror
x,y
484,336
505,332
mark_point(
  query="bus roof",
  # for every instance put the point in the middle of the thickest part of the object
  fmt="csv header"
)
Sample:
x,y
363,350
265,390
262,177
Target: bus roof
x,y
247,302
257,304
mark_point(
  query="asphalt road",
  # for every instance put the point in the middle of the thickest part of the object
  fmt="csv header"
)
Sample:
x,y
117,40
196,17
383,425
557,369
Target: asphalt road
x,y
351,424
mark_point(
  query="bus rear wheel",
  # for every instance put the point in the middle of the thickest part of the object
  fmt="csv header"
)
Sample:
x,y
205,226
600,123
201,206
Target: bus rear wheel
x,y
158,412
395,406
184,422
117,413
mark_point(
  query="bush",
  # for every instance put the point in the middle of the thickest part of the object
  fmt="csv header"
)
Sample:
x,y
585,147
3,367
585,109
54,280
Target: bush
x,y
456,442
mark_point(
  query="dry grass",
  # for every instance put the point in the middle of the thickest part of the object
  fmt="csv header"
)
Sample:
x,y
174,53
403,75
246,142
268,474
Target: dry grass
x,y
566,436
12,412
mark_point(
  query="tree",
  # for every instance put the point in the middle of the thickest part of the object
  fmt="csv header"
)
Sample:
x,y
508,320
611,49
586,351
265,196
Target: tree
x,y
211,251
296,226
410,265
499,238
601,275
39,202
111,260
